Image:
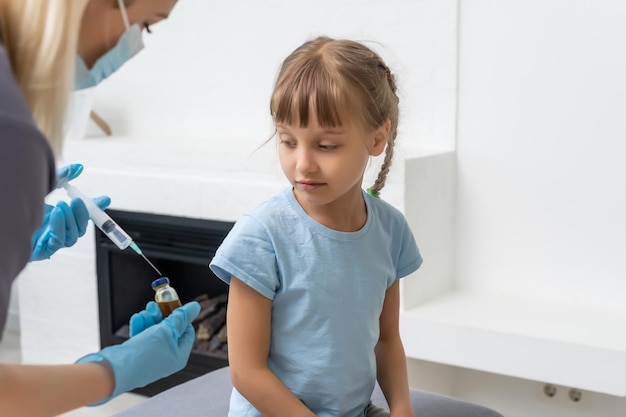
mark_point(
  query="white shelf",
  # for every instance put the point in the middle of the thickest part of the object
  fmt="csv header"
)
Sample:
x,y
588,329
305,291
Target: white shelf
x,y
575,346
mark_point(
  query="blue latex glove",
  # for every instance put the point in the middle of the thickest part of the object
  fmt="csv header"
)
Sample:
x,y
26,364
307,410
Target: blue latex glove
x,y
63,224
156,352
146,318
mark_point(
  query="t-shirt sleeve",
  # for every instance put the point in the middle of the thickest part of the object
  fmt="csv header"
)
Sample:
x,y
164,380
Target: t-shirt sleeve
x,y
410,258
248,254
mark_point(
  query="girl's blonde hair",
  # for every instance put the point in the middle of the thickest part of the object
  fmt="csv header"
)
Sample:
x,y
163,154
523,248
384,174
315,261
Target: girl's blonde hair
x,y
40,37
331,76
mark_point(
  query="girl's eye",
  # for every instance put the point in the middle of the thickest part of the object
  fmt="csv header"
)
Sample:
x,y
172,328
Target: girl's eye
x,y
327,147
287,142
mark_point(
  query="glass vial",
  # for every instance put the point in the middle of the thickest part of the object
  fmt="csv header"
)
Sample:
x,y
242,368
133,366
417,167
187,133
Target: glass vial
x,y
165,296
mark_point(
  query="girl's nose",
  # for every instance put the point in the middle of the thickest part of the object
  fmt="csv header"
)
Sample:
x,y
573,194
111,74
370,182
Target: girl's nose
x,y
305,161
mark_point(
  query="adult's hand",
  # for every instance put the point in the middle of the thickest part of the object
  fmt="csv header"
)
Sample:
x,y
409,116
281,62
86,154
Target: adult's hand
x,y
64,223
154,353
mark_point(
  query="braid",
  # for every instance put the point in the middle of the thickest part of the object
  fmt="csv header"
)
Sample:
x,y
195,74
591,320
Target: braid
x,y
386,166
390,78
384,169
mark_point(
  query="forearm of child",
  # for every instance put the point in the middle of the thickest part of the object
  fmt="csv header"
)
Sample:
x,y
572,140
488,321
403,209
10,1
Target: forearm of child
x,y
392,377
268,394
249,329
390,358
49,390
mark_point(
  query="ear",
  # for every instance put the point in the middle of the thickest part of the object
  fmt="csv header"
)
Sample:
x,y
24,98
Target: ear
x,y
380,138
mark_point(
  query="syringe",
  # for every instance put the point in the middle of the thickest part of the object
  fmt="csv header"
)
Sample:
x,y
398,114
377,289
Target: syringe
x,y
105,223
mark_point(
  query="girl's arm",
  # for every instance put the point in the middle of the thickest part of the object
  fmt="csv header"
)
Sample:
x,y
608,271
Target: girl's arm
x,y
249,329
49,390
390,359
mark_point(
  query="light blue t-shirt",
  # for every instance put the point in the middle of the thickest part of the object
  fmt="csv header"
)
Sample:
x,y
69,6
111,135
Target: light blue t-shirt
x,y
327,290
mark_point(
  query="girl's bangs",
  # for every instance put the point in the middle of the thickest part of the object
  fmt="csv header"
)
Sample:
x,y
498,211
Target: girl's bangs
x,y
311,89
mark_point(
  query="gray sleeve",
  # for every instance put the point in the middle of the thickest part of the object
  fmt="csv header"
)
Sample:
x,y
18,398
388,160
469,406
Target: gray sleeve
x,y
26,176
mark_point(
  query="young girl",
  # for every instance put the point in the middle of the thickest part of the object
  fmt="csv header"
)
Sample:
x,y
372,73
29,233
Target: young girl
x,y
313,272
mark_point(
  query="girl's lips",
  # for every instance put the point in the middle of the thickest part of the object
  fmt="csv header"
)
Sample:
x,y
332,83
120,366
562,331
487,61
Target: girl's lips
x,y
309,186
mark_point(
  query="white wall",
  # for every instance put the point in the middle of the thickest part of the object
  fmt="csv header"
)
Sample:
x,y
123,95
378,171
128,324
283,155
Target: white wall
x,y
206,74
540,174
541,133
13,317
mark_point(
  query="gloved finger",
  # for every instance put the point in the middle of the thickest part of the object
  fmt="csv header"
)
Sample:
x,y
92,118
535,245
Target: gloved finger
x,y
182,317
47,208
187,338
191,310
71,229
152,312
68,173
153,309
137,323
55,239
144,319
102,201
81,215
39,238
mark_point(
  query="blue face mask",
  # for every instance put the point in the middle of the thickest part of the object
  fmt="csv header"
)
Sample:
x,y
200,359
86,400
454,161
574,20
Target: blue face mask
x,y
129,44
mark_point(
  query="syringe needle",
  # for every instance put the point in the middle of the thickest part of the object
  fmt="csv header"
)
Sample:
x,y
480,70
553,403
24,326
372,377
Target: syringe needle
x,y
134,247
151,264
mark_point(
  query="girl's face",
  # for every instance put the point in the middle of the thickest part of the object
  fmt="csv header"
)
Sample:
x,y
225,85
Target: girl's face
x,y
324,165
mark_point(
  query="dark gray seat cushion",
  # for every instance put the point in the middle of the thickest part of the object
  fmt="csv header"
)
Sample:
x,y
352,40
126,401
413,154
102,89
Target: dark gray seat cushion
x,y
209,395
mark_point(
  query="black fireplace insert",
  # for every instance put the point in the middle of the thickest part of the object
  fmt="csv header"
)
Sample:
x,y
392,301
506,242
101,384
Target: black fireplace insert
x,y
180,248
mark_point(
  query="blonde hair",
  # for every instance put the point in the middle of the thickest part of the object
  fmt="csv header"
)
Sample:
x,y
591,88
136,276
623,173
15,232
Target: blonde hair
x,y
40,37
332,75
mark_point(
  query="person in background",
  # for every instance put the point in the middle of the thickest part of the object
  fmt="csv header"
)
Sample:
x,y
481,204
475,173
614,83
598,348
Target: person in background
x,y
313,304
110,34
39,42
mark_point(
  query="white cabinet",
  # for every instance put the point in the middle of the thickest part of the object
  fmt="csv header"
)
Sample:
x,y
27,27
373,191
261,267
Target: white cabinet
x,y
572,342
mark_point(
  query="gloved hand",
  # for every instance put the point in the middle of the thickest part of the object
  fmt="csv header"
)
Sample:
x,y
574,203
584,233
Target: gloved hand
x,y
146,318
156,352
63,224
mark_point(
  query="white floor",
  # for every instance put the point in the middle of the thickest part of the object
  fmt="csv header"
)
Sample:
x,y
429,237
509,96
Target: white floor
x,y
10,352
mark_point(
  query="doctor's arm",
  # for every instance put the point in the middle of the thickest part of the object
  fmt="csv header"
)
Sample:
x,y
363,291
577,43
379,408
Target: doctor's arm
x,y
158,349
249,330
49,390
390,358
